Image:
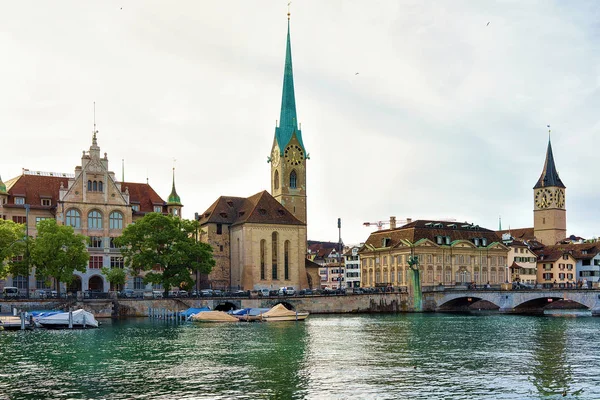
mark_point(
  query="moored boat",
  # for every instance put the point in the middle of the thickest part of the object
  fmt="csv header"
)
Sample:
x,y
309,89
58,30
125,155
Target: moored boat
x,y
213,316
249,314
76,319
280,313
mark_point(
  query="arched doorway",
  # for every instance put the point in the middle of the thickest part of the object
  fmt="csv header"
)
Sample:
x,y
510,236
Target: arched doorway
x,y
75,285
96,284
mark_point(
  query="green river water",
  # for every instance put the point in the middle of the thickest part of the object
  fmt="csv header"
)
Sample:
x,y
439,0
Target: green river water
x,y
412,356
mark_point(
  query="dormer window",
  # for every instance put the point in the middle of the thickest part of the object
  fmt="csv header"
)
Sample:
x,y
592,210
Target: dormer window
x,y
280,212
262,211
223,215
476,241
19,200
483,241
386,242
447,239
241,213
46,202
439,239
157,209
135,207
230,203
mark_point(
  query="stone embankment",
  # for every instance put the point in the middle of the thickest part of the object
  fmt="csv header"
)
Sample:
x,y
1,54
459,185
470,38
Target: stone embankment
x,y
107,308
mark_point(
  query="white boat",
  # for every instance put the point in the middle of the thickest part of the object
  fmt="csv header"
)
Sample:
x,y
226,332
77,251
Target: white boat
x,y
280,313
79,319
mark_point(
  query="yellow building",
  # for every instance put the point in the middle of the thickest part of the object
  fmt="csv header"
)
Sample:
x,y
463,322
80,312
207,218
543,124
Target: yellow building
x,y
556,267
449,253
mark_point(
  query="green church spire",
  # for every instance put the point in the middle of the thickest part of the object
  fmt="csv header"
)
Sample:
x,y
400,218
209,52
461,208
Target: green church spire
x,y
174,199
288,123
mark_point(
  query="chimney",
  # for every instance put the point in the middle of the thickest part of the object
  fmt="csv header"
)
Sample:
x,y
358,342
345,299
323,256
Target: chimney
x,y
392,222
408,220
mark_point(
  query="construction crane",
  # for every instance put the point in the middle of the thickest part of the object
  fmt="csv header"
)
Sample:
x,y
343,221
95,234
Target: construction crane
x,y
400,222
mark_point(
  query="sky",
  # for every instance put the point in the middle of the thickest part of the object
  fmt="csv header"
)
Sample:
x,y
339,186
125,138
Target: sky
x,y
422,110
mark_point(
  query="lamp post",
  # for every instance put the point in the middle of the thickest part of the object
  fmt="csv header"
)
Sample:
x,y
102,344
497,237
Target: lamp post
x,y
27,247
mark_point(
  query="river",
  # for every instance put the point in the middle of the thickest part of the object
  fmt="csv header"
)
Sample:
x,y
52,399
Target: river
x,y
415,356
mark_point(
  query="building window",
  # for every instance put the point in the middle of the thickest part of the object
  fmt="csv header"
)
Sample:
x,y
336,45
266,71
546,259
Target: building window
x,y
100,188
42,283
135,207
274,255
89,185
19,200
157,209
38,219
46,202
20,282
94,220
117,262
95,262
219,229
286,260
276,180
263,255
293,180
115,220
19,219
138,283
73,218
96,242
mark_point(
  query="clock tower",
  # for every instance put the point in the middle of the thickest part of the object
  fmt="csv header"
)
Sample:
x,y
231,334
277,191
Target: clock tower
x,y
288,155
549,213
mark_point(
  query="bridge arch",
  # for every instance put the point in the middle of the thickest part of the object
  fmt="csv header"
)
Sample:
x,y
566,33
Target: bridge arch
x,y
547,302
226,306
466,303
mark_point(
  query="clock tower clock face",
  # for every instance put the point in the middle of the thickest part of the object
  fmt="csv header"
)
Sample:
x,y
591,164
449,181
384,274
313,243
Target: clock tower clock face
x,y
544,198
560,198
294,155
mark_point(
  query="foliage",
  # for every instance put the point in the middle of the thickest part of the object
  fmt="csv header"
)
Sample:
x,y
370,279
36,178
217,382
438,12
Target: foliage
x,y
57,251
166,248
12,244
116,276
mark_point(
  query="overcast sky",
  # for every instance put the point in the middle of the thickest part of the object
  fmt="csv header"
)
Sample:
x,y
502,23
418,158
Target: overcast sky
x,y
445,119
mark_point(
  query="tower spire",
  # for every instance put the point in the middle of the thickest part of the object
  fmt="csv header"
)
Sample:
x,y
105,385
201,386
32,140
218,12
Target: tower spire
x,y
174,198
549,176
94,132
288,120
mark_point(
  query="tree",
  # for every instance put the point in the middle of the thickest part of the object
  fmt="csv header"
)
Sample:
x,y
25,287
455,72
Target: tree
x,y
116,276
57,252
165,247
12,245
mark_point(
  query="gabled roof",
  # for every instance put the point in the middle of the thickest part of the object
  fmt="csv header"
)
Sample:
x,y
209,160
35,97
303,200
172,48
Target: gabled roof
x,y
144,195
549,176
579,251
428,230
260,208
34,188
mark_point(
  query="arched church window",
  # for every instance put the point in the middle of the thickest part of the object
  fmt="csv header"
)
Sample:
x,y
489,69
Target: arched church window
x,y
263,255
276,180
293,180
89,185
100,188
286,260
274,254
95,186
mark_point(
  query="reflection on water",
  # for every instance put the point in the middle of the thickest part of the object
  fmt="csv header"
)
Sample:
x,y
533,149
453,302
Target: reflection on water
x,y
417,356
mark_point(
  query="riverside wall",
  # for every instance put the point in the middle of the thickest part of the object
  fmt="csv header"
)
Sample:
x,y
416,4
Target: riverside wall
x,y
107,308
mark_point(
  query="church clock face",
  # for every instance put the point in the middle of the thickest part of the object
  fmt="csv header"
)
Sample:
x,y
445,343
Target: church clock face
x,y
544,198
294,155
275,157
560,198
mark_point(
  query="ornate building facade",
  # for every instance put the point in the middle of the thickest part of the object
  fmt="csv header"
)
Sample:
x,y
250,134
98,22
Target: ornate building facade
x,y
449,254
93,202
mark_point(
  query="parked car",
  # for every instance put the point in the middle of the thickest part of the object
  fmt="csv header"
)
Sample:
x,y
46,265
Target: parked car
x,y
287,291
182,293
206,293
157,294
305,292
264,292
128,293
217,293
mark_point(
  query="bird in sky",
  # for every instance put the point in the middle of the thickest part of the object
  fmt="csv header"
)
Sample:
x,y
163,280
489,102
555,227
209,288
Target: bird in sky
x,y
487,24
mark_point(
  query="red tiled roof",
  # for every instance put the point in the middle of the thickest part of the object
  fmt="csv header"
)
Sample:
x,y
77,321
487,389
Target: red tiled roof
x,y
261,208
144,195
34,188
579,251
428,229
519,233
514,265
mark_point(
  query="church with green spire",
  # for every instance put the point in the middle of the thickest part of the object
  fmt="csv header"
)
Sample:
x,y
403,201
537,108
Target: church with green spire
x,y
174,202
288,154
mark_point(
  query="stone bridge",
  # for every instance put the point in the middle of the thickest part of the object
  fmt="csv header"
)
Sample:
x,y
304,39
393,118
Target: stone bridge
x,y
512,301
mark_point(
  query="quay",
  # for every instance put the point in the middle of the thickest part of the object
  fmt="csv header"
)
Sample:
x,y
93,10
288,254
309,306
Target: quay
x,y
434,300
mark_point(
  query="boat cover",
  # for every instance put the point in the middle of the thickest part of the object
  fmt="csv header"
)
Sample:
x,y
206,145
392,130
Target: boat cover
x,y
80,318
213,316
191,311
279,311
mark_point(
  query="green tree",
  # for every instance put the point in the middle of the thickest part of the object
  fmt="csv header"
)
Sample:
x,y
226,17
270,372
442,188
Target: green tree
x,y
116,276
57,252
12,244
166,248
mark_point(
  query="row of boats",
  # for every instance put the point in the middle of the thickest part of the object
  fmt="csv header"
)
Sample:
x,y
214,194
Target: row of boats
x,y
276,313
